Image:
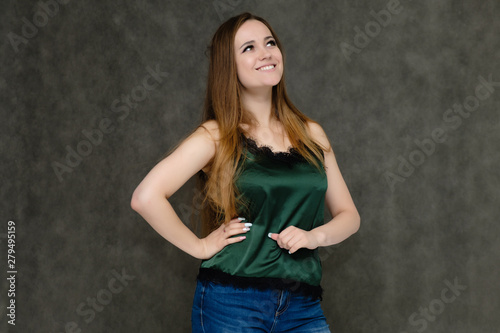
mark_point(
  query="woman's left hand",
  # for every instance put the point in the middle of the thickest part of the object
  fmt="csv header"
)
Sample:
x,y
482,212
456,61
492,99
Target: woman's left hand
x,y
293,238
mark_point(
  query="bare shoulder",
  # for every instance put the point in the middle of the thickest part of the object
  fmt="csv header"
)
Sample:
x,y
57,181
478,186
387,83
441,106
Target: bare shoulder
x,y
210,129
318,134
193,154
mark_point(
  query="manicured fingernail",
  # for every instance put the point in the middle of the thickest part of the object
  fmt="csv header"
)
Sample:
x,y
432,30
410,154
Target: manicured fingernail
x,y
248,224
246,229
289,252
243,237
269,235
241,218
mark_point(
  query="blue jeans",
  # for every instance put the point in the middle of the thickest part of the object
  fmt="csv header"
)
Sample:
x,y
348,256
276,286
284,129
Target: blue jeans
x,y
223,309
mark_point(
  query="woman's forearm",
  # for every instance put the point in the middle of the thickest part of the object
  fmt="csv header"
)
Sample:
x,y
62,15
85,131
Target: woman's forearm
x,y
338,229
158,212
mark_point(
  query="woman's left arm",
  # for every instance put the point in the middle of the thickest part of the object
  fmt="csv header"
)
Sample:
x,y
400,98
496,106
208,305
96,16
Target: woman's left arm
x,y
346,219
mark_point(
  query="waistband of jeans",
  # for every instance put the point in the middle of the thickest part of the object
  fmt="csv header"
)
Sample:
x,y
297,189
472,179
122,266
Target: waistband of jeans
x,y
260,283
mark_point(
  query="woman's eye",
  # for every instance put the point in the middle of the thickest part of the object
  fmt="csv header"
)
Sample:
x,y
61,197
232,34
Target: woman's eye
x,y
272,43
248,48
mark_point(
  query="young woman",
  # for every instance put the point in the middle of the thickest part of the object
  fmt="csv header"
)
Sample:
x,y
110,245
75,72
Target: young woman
x,y
266,173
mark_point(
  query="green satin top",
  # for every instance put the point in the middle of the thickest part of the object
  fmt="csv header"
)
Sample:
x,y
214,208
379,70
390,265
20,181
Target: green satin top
x,y
282,189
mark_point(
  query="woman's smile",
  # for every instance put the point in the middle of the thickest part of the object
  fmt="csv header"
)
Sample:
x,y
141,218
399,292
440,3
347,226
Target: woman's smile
x,y
266,68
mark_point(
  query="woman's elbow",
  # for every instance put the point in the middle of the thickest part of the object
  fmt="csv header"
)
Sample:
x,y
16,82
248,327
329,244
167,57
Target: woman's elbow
x,y
134,203
139,198
356,221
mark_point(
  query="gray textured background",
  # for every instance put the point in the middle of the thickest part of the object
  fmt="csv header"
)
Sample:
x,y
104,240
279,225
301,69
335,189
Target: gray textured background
x,y
76,232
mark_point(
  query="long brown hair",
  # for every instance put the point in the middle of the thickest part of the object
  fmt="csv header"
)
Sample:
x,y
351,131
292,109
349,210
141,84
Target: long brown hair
x,y
223,104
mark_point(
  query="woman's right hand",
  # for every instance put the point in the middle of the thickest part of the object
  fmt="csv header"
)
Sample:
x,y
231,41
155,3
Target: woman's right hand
x,y
223,236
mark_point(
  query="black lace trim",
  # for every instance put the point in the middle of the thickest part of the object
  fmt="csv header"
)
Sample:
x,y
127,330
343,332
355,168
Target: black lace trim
x,y
260,283
290,156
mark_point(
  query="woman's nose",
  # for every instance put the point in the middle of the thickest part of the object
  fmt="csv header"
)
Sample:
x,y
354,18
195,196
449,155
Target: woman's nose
x,y
264,54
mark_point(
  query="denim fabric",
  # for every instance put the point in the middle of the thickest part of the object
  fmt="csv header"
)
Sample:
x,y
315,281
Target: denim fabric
x,y
220,308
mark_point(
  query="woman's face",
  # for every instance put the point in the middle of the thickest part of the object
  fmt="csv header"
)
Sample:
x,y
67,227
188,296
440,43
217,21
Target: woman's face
x,y
258,58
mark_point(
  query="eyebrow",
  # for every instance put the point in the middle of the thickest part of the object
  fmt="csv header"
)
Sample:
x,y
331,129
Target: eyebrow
x,y
252,41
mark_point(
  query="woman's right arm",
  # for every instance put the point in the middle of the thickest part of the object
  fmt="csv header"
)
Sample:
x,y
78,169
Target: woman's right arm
x,y
150,198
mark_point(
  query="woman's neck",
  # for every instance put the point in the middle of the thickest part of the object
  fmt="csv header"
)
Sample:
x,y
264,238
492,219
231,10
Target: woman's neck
x,y
259,104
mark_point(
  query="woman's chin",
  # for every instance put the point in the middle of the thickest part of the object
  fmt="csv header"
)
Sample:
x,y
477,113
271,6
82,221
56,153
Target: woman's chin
x,y
263,85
